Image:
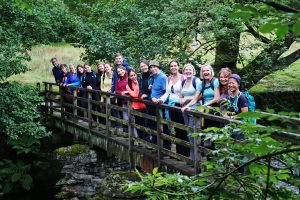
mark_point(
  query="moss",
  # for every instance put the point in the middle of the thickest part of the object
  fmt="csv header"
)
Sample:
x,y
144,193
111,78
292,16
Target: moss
x,y
64,195
112,185
73,150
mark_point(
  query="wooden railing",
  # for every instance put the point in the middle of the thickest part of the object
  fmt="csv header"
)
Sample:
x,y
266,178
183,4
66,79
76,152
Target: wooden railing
x,y
55,103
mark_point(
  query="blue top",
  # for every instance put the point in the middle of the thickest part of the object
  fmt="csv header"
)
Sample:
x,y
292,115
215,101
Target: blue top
x,y
72,79
159,85
208,93
191,91
115,75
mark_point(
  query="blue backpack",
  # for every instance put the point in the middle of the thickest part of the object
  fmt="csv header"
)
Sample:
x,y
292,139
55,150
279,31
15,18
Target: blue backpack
x,y
250,101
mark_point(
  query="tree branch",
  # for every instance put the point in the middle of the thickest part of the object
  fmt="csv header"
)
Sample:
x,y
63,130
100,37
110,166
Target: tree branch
x,y
222,179
291,57
280,7
257,35
267,62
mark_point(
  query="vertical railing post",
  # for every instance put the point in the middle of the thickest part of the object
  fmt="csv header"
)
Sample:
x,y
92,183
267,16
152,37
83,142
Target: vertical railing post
x,y
51,101
46,98
89,110
159,130
130,133
197,125
62,108
75,105
108,125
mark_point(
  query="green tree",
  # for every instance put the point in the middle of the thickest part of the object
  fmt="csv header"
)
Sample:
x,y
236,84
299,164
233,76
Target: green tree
x,y
22,25
193,30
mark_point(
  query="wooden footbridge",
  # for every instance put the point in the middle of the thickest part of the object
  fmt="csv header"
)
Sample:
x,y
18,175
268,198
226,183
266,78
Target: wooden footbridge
x,y
72,117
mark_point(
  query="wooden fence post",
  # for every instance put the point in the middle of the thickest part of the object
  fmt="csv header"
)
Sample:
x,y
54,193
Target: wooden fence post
x,y
130,133
89,111
159,130
108,125
75,105
51,102
46,98
197,125
62,108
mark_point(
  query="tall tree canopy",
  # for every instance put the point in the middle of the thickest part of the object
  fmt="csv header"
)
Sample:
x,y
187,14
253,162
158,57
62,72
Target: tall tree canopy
x,y
198,30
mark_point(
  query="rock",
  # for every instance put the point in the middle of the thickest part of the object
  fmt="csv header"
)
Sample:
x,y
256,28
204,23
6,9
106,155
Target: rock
x,y
112,185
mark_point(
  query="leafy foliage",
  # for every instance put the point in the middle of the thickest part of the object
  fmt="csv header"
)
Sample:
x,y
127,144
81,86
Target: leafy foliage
x,y
24,25
19,117
14,175
247,163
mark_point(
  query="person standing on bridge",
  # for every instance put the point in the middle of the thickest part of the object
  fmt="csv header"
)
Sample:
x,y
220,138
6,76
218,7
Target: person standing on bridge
x,y
158,89
71,80
56,70
134,91
101,71
189,89
121,83
171,96
90,80
119,62
80,71
145,83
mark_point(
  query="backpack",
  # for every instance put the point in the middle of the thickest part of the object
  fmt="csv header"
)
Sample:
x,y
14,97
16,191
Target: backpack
x,y
193,82
250,101
211,85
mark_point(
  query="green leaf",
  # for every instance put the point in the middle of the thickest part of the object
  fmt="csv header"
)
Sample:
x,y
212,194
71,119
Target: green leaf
x,y
7,187
155,170
267,27
296,28
16,177
281,30
26,181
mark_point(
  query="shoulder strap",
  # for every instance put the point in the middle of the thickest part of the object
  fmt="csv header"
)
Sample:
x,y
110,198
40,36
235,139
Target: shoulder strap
x,y
169,78
194,82
183,82
182,78
212,83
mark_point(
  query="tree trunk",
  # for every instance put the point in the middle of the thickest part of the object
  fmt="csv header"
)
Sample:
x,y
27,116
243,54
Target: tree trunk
x,y
268,62
227,51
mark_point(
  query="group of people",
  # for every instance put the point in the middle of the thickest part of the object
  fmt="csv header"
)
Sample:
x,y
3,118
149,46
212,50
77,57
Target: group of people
x,y
181,88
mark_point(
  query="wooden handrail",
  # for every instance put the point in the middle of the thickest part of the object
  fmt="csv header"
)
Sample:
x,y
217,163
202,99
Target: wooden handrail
x,y
51,103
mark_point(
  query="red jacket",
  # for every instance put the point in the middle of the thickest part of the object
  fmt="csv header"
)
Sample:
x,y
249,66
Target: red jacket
x,y
121,87
135,92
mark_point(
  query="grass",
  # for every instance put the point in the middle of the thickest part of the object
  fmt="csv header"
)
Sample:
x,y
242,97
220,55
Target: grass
x,y
40,68
40,65
282,80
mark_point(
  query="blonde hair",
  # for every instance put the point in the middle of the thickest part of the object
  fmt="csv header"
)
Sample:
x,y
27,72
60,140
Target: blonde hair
x,y
189,65
210,68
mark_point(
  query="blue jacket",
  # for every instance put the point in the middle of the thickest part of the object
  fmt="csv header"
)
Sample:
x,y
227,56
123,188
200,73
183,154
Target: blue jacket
x,y
115,75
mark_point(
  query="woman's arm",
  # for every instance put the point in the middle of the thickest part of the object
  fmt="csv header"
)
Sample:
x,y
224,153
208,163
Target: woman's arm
x,y
215,99
135,92
193,101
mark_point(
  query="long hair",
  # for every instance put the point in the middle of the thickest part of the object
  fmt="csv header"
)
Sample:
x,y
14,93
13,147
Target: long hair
x,y
129,80
227,72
